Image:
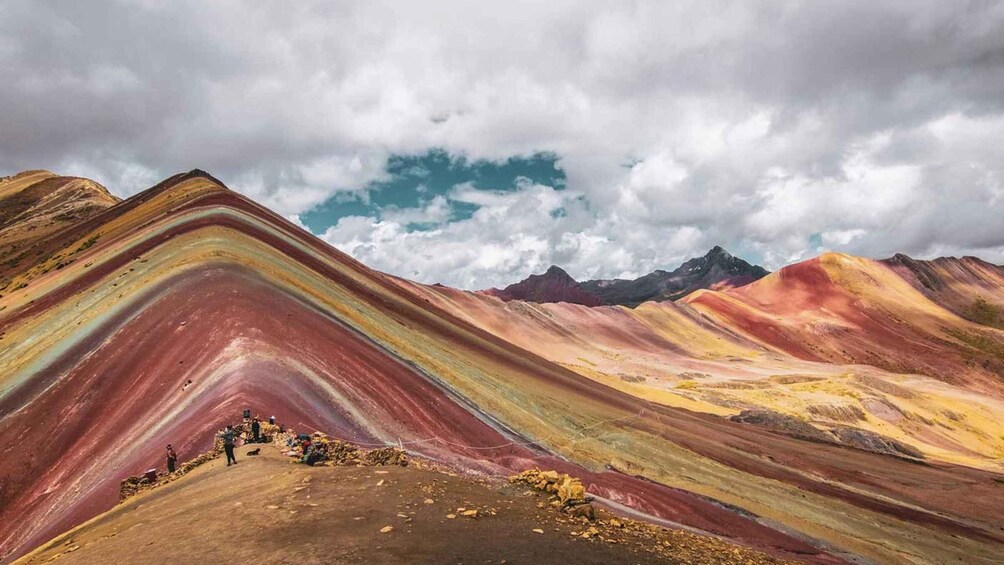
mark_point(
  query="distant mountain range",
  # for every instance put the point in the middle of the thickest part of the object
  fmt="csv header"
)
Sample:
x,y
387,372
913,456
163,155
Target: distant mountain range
x,y
716,270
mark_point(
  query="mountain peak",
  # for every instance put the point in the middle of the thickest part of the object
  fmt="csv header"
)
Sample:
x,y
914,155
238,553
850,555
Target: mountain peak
x,y
965,286
36,203
179,178
555,285
717,269
718,251
556,271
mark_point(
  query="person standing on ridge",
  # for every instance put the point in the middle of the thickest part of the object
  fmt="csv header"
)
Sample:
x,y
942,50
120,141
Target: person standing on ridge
x,y
256,430
271,420
228,436
172,458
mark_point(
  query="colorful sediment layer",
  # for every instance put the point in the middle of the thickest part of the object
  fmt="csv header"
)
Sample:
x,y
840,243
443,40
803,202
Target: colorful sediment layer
x,y
842,309
157,319
968,286
672,355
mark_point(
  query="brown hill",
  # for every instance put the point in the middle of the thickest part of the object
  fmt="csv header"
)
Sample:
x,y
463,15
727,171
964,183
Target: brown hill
x,y
35,204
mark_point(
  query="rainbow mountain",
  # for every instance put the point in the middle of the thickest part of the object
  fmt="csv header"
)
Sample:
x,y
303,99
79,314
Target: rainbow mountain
x,y
769,415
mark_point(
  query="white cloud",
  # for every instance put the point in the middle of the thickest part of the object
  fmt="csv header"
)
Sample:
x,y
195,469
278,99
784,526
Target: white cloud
x,y
875,125
510,232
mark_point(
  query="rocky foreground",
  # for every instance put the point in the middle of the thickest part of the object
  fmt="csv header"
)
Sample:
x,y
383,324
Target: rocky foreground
x,y
269,509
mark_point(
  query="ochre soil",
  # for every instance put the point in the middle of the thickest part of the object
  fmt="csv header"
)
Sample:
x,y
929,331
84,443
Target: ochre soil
x,y
268,510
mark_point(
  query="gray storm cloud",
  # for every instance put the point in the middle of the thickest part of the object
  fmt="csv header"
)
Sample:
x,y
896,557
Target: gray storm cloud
x,y
873,128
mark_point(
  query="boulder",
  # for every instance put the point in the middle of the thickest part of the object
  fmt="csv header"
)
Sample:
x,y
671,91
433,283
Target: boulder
x,y
386,456
876,443
582,511
782,423
571,491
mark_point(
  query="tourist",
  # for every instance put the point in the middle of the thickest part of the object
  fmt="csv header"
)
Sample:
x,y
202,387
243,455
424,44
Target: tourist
x,y
172,458
228,436
256,430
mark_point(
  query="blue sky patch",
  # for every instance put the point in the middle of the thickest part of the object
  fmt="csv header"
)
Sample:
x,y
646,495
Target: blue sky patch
x,y
415,180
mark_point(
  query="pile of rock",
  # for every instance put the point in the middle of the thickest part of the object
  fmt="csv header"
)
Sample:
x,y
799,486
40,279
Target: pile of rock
x,y
133,485
343,453
567,492
130,486
193,463
385,456
319,449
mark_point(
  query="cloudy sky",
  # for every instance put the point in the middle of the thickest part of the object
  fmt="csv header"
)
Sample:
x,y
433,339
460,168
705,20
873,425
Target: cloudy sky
x,y
475,143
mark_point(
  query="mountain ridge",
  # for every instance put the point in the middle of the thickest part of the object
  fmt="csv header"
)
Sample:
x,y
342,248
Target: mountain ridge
x,y
34,204
554,285
968,286
717,269
174,310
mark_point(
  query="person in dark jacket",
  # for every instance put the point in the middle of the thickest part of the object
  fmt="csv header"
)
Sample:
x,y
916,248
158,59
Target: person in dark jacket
x,y
229,440
172,458
256,430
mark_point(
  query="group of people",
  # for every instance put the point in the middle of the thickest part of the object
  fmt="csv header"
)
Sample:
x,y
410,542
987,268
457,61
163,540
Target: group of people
x,y
229,437
313,451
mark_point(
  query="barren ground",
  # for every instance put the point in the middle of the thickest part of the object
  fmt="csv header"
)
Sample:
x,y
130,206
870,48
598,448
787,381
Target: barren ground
x,y
268,510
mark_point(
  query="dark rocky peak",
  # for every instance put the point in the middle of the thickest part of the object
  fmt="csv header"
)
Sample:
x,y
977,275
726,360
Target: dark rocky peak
x,y
555,272
555,285
724,261
717,251
717,269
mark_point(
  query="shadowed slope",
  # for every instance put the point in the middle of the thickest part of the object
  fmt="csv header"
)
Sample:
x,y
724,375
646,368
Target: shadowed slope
x,y
960,285
189,281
